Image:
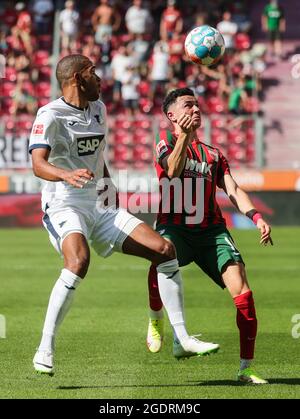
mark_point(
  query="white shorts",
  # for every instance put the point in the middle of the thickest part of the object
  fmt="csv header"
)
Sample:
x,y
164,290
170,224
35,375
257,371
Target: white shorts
x,y
106,230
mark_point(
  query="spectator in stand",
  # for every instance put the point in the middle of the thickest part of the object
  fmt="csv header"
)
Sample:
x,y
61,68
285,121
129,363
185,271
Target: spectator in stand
x,y
103,61
140,49
238,97
69,20
23,97
42,16
23,27
3,42
171,21
196,81
138,19
130,94
228,29
273,22
20,62
106,20
241,16
159,69
176,61
90,48
120,62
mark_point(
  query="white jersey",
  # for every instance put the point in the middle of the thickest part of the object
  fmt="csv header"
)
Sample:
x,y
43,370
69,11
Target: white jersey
x,y
76,139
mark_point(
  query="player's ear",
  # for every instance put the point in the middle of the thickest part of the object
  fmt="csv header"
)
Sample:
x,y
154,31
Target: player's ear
x,y
171,116
78,78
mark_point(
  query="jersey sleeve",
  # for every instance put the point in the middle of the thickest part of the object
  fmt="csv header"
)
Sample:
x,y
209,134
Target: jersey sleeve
x,y
163,145
223,168
43,131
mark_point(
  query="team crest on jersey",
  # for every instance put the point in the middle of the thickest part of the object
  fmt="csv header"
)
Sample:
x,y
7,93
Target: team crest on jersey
x,y
161,148
72,123
38,129
88,145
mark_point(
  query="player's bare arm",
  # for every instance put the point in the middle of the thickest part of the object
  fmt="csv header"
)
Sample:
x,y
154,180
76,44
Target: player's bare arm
x,y
243,203
44,170
176,160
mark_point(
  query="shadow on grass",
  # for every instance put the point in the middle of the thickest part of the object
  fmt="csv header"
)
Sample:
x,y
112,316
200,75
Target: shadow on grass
x,y
288,381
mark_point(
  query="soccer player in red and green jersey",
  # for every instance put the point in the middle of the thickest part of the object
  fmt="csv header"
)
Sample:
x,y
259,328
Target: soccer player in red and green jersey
x,y
191,219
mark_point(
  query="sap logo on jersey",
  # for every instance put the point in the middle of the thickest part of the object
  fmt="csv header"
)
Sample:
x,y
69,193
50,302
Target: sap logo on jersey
x,y
88,145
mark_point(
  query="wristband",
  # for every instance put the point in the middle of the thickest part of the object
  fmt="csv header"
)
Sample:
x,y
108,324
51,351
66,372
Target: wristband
x,y
256,217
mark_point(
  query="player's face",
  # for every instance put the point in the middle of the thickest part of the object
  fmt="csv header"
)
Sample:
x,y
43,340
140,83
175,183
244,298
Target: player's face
x,y
90,83
188,105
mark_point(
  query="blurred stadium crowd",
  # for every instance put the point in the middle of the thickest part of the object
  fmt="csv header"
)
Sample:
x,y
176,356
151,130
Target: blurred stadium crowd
x,y
137,47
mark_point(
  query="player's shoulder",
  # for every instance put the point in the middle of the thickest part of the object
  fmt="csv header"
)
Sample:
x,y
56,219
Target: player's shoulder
x,y
213,151
50,111
166,136
97,105
98,109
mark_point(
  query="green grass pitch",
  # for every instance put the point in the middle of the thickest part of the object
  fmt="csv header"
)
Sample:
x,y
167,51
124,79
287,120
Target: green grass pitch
x,y
101,351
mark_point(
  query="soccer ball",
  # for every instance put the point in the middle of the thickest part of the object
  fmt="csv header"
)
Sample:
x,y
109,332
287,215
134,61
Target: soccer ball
x,y
204,45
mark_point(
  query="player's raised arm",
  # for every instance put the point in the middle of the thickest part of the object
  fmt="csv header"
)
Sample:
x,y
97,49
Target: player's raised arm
x,y
243,203
44,170
176,160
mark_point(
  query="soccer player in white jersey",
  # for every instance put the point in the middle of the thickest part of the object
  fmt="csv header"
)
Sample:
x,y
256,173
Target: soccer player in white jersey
x,y
67,143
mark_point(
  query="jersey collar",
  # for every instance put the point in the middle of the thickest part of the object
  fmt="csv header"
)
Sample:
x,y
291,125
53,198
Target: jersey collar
x,y
73,106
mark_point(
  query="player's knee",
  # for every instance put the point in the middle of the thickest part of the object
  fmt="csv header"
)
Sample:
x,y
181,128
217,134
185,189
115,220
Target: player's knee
x,y
166,251
78,265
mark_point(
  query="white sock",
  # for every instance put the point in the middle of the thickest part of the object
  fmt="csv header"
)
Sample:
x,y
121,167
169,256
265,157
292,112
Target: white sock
x,y
245,363
59,303
171,293
155,315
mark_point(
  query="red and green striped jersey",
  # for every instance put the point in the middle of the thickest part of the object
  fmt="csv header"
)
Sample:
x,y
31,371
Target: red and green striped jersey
x,y
190,200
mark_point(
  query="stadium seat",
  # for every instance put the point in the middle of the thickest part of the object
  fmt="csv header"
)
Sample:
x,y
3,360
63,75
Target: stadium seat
x,y
236,136
7,104
10,74
7,89
41,58
122,123
218,137
142,153
212,86
237,153
24,122
145,104
215,105
45,73
9,17
242,41
10,124
144,88
142,123
122,137
44,42
218,122
43,101
142,137
43,89
121,156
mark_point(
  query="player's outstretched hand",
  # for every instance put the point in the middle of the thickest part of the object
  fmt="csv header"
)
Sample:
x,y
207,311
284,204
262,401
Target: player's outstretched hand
x,y
265,232
78,177
185,122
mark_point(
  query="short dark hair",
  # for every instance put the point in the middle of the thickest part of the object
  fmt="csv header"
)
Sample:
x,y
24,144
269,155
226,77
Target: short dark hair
x,y
69,65
173,95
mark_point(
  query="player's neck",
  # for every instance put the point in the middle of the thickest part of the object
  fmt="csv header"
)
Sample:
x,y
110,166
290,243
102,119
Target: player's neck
x,y
74,99
193,135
